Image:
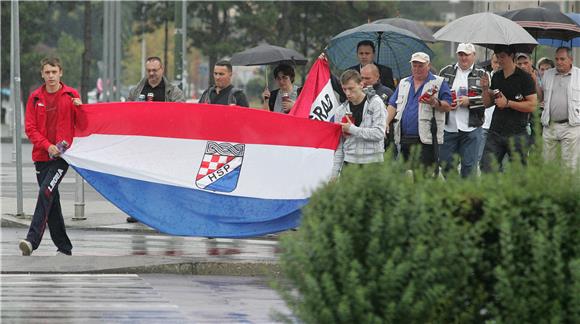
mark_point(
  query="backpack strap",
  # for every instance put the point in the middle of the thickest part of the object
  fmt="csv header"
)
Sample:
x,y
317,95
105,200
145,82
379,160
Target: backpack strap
x,y
231,97
205,96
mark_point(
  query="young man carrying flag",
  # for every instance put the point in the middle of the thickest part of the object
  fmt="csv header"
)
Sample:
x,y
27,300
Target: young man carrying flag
x,y
362,118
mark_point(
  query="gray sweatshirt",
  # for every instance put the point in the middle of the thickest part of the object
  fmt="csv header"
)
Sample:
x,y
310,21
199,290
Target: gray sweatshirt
x,y
365,144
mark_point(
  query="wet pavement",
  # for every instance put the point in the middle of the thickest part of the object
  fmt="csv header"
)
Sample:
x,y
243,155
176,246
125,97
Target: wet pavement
x,y
101,243
97,298
128,252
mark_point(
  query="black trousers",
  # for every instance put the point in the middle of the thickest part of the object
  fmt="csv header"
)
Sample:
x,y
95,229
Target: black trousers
x,y
426,156
497,146
48,211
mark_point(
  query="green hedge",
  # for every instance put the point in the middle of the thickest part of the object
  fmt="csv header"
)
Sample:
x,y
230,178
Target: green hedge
x,y
379,247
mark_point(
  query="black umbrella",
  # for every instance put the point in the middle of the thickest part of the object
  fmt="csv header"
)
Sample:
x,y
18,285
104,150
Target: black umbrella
x,y
268,54
415,27
544,23
435,142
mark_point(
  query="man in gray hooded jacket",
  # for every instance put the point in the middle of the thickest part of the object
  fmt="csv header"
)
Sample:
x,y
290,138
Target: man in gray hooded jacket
x,y
155,87
363,119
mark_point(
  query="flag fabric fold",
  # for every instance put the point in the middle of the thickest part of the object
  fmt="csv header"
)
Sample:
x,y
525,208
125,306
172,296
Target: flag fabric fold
x,y
202,170
317,99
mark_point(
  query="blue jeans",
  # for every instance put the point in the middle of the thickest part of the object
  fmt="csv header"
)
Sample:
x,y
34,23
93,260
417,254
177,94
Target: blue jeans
x,y
466,144
48,211
482,141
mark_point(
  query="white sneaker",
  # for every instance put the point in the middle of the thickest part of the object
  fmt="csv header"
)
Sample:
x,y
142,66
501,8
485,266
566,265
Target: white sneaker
x,y
25,247
58,253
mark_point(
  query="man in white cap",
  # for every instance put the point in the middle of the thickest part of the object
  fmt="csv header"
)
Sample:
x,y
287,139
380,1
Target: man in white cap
x,y
463,132
412,108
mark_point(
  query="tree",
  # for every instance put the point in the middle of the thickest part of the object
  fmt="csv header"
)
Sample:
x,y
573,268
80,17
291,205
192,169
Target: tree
x,y
86,56
63,25
151,16
213,29
70,50
222,28
31,32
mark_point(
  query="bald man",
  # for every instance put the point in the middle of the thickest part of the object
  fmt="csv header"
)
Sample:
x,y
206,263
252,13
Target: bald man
x,y
371,80
370,77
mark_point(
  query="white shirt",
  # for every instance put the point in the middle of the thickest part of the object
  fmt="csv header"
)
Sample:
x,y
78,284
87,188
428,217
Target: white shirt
x,y
488,112
459,118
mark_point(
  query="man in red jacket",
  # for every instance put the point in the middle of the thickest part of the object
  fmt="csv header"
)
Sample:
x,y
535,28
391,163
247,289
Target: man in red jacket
x,y
50,113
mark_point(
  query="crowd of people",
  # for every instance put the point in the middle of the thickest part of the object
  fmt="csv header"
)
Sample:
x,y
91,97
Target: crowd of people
x,y
464,112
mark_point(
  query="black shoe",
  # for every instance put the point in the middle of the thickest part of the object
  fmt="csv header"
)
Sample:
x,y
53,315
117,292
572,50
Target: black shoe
x,y
132,220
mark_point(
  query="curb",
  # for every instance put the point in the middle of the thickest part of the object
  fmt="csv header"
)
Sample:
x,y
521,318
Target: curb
x,y
206,268
80,264
12,222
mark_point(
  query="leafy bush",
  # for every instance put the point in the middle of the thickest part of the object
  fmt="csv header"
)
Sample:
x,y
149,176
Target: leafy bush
x,y
379,247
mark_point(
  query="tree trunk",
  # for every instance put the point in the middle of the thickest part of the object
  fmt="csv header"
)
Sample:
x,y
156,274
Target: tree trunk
x,y
305,40
212,62
86,59
166,46
215,24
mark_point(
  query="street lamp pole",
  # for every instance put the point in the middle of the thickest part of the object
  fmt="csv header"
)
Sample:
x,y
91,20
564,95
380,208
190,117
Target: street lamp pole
x,y
178,53
17,103
184,47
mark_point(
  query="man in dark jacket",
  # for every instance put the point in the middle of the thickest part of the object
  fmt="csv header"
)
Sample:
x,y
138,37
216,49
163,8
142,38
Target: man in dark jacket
x,y
50,113
365,51
223,92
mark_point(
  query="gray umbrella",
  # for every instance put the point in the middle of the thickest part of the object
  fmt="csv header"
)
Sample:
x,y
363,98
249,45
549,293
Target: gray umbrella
x,y
415,27
268,54
487,29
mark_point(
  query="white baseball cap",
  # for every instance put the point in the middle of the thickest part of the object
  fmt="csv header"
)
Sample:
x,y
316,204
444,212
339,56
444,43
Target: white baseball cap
x,y
522,54
466,48
420,57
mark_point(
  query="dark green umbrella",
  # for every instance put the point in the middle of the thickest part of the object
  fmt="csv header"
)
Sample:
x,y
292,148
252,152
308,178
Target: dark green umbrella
x,y
394,47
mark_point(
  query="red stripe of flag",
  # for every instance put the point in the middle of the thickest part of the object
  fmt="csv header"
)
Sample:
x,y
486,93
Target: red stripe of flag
x,y
204,122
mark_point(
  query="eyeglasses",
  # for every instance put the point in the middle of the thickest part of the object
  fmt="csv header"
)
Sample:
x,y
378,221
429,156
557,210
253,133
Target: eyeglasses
x,y
282,77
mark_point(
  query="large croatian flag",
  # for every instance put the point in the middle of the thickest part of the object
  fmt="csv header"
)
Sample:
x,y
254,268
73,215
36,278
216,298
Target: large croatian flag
x,y
203,170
